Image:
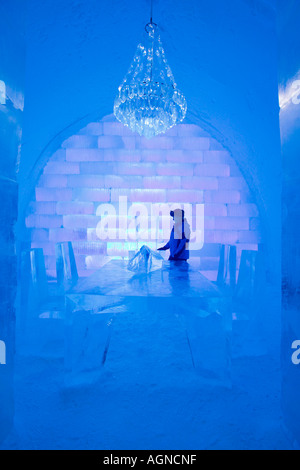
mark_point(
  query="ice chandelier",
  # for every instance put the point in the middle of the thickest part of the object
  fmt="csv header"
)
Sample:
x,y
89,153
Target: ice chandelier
x,y
148,101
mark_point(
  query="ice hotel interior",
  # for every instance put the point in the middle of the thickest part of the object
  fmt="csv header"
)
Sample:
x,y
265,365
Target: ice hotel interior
x,y
149,237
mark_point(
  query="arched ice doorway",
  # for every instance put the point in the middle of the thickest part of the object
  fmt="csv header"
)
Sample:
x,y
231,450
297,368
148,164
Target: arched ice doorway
x,y
104,161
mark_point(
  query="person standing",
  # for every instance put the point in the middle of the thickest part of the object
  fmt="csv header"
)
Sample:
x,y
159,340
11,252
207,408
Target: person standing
x,y
179,238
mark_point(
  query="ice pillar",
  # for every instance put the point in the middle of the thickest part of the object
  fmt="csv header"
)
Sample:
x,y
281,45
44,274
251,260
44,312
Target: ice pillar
x,y
11,105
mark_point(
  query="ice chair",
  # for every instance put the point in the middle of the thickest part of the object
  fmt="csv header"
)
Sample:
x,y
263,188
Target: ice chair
x,y
227,267
40,326
88,330
206,258
34,286
66,269
251,275
249,301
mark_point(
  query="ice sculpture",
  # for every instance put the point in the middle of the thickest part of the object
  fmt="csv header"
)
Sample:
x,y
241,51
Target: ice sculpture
x,y
145,261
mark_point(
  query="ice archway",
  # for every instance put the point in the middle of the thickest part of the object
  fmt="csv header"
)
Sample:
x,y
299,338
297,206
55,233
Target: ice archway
x,y
104,161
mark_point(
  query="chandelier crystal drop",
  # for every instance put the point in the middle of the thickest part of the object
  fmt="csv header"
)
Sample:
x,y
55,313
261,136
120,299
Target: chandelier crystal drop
x,y
148,100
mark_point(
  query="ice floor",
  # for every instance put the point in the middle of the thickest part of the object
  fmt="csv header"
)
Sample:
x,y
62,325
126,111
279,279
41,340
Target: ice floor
x,y
140,402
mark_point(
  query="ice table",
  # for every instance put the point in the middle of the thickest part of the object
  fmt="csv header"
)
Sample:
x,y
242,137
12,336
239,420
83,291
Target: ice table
x,y
175,293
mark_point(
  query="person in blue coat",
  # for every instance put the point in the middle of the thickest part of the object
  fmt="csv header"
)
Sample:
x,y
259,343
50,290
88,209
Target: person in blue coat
x,y
179,238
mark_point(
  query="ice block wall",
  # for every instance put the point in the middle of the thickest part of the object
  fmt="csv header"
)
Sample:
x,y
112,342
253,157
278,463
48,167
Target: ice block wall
x,y
12,18
105,160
